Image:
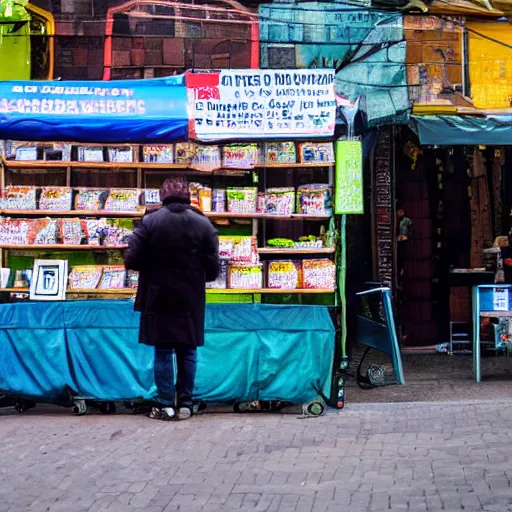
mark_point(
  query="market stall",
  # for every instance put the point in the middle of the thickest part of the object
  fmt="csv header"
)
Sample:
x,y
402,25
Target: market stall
x,y
74,195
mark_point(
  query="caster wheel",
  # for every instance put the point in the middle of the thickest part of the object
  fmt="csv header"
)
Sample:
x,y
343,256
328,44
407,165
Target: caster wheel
x,y
247,406
198,407
315,409
376,375
108,408
79,407
24,405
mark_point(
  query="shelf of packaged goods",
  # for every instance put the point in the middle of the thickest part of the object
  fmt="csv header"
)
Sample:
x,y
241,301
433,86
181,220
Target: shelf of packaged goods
x,y
70,213
268,291
294,216
304,165
163,167
57,247
131,291
55,164
108,291
291,250
104,213
496,314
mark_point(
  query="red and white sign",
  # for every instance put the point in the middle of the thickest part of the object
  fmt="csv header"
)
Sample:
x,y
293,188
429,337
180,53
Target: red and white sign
x,y
253,104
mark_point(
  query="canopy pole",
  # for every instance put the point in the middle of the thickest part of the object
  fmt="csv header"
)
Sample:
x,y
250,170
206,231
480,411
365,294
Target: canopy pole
x,y
343,297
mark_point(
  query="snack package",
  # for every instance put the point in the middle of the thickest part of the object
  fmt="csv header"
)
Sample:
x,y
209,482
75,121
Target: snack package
x,y
316,152
120,155
70,231
314,199
158,154
242,200
219,200
43,231
94,230
280,243
240,156
222,280
245,277
56,198
90,154
116,235
133,279
14,231
122,200
90,199
151,197
65,150
309,242
261,204
239,249
113,277
206,158
18,198
26,153
284,275
85,277
319,274
185,152
200,196
280,201
280,153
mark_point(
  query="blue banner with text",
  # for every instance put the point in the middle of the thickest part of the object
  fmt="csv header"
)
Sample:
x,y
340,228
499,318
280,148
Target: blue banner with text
x,y
129,111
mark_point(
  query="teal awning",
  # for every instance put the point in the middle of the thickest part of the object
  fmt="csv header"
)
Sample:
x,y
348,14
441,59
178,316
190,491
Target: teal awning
x,y
460,130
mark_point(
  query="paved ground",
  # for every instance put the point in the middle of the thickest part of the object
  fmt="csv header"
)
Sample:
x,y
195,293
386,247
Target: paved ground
x,y
452,453
439,377
423,456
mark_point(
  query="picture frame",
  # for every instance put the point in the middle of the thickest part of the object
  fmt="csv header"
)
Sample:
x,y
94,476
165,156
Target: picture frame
x,y
49,280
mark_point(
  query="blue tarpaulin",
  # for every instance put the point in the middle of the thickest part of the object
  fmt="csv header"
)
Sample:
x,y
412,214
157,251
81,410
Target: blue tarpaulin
x,y
50,351
460,130
142,111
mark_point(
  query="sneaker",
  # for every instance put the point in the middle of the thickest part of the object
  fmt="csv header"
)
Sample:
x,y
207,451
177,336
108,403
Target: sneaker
x,y
156,413
168,414
184,413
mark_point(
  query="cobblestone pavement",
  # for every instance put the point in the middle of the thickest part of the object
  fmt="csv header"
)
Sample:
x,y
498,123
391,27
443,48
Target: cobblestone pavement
x,y
368,457
438,378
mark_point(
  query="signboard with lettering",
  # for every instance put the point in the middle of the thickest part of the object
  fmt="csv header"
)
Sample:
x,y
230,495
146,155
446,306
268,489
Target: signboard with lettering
x,y
384,224
136,111
252,104
490,64
349,196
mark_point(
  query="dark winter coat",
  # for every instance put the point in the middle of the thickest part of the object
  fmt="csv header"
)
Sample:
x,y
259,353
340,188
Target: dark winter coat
x,y
175,250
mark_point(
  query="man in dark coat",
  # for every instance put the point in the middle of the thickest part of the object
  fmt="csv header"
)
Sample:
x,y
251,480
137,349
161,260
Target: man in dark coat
x,y
176,251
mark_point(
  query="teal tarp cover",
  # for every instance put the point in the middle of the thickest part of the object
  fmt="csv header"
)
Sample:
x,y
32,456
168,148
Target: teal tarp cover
x,y
49,351
458,130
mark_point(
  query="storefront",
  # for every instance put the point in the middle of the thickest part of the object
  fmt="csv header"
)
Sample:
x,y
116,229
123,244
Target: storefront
x,y
451,215
82,164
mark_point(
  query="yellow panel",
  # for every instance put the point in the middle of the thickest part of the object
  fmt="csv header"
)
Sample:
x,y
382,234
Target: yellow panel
x,y
490,64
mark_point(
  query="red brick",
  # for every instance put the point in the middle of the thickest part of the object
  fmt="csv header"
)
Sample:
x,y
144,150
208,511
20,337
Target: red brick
x,y
120,58
174,52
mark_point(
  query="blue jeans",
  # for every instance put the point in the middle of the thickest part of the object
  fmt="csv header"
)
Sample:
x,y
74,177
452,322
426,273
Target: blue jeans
x,y
186,360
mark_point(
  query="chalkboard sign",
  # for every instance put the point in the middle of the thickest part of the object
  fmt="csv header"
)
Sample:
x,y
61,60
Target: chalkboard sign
x,y
252,104
349,196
